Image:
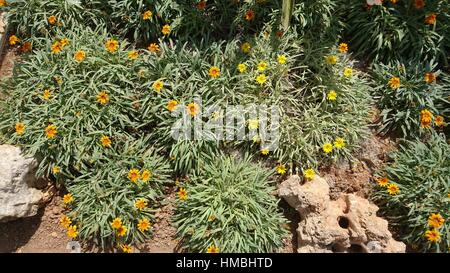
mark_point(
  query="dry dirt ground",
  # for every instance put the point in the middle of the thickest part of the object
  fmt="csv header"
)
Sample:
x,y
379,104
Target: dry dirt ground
x,y
42,232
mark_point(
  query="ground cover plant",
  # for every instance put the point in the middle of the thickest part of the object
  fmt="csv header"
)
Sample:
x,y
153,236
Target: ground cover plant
x,y
105,93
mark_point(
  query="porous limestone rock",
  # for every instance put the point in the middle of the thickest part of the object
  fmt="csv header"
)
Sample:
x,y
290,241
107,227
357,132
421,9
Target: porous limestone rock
x,y
349,224
18,197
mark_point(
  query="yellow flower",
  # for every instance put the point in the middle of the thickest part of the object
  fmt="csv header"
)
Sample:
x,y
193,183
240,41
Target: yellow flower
x,y
20,128
72,231
281,169
309,174
52,20
211,218
327,148
56,170
171,105
116,223
51,131
134,175
154,48
439,121
147,15
158,85
56,47
144,225
68,198
182,194
214,72
253,124
102,98
433,236
261,79
13,40
246,47
105,141
348,72
126,249
47,94
79,56
339,143
265,151
394,82
393,189
242,68
426,117
256,139
383,181
166,30
332,95
282,59
332,59
133,55
193,109
112,45
343,48
146,175
122,231
212,249
435,220
140,204
65,42
262,66
430,77
65,222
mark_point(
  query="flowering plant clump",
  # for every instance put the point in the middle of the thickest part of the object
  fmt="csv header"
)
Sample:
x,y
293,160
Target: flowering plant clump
x,y
230,206
38,18
408,29
414,193
413,98
121,186
71,100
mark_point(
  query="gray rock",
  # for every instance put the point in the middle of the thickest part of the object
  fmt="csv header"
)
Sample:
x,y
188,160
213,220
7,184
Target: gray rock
x,y
18,197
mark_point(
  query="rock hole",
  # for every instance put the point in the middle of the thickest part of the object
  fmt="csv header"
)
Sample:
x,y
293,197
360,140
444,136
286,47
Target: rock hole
x,y
337,248
343,222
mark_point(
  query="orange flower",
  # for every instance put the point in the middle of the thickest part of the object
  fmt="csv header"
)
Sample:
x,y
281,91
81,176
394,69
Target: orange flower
x,y
79,56
154,48
212,249
383,181
72,231
13,40
52,20
171,105
116,223
166,30
182,194
433,236
65,221
430,77
193,109
112,45
134,175
393,189
214,72
435,220
57,47
343,48
439,121
105,141
201,5
126,249
68,198
249,15
26,47
20,128
431,19
122,231
146,175
394,82
147,15
426,118
51,131
158,85
418,4
102,98
140,204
